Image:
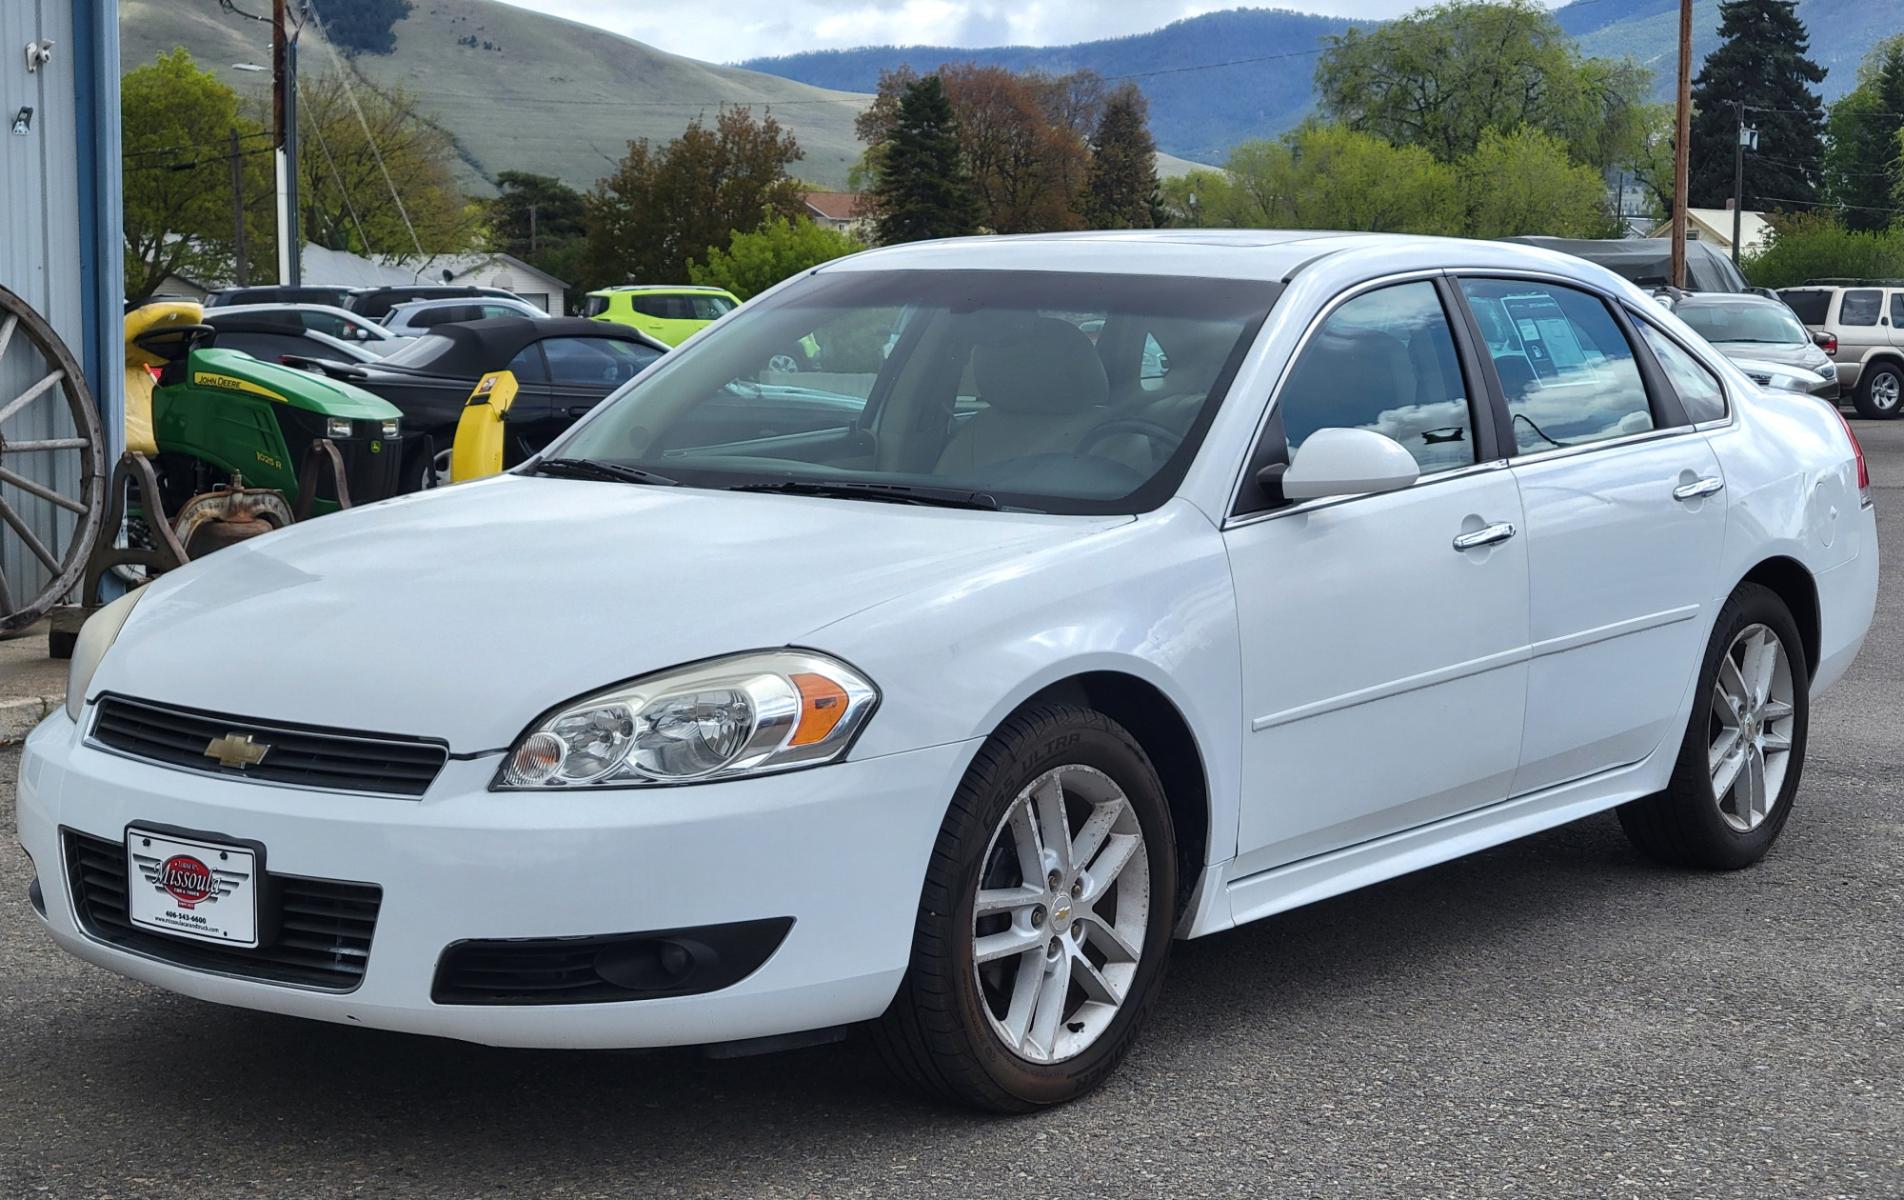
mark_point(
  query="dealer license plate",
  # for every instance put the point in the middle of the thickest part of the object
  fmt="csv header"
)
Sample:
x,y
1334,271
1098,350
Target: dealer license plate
x,y
193,889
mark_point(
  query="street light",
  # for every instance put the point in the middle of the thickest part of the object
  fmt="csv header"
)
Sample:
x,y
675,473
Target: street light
x,y
250,67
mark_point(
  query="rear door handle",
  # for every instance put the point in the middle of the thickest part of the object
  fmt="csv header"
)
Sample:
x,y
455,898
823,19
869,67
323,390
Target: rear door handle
x,y
1487,535
1699,488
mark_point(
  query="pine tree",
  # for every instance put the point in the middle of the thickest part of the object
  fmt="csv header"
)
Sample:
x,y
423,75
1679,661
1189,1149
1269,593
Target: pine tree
x,y
1120,190
1862,168
1762,61
920,185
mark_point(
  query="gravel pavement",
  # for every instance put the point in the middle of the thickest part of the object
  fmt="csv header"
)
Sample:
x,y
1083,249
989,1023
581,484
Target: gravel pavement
x,y
1550,1018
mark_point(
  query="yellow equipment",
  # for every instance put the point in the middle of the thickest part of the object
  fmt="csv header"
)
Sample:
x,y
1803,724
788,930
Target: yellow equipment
x,y
477,450
139,382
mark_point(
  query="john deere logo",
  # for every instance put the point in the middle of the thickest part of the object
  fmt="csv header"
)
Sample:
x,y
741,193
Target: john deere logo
x,y
237,750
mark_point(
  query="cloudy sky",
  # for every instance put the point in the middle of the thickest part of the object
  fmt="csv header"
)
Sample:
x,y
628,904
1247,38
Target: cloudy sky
x,y
737,29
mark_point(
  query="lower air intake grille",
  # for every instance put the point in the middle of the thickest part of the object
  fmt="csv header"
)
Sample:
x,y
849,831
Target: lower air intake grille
x,y
606,967
332,759
318,930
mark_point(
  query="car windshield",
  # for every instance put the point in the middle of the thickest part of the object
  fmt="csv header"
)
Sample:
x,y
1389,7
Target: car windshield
x,y
1766,324
1043,390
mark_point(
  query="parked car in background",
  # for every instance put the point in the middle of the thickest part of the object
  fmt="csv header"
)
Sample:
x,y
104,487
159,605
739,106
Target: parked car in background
x,y
563,366
376,303
950,718
1764,337
414,317
275,294
1861,325
671,313
277,337
340,323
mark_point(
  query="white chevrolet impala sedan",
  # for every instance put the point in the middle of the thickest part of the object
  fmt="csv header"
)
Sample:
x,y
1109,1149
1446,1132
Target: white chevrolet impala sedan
x,y
934,641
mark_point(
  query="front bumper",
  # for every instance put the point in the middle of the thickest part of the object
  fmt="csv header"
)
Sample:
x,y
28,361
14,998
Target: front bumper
x,y
840,849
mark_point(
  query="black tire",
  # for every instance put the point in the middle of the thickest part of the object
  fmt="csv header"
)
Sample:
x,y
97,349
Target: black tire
x,y
1683,825
936,1034
1879,377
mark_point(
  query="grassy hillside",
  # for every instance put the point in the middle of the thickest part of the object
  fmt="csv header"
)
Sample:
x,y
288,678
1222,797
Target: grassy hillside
x,y
1648,32
1196,113
549,96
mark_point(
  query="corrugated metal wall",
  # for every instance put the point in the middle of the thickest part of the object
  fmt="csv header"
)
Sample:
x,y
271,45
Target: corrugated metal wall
x,y
40,259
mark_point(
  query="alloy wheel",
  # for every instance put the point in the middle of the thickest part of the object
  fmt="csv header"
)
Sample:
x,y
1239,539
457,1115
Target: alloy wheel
x,y
1058,923
1751,728
1886,387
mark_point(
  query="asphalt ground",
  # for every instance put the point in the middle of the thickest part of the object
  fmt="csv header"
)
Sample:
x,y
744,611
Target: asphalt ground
x,y
1551,1018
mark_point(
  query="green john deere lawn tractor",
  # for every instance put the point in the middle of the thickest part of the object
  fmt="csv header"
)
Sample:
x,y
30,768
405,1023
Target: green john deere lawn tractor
x,y
237,446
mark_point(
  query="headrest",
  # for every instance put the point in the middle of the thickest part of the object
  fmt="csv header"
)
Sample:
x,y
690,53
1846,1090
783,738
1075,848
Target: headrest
x,y
1039,364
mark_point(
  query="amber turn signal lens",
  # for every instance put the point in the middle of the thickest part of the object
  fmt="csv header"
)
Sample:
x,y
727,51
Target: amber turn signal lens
x,y
822,705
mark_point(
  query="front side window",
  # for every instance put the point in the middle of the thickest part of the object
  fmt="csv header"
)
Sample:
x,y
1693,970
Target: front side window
x,y
1566,370
595,362
1384,361
711,308
976,382
1699,390
1860,307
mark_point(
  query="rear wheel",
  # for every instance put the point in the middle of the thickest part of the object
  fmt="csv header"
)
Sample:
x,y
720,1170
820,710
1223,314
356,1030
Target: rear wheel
x,y
1881,392
1045,919
1733,786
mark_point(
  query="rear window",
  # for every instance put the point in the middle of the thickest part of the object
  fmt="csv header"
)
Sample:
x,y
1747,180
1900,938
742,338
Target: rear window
x,y
1860,308
1811,306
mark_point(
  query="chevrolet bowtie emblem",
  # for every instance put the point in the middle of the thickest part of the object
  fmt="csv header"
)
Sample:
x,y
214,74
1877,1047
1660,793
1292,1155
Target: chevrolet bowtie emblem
x,y
237,750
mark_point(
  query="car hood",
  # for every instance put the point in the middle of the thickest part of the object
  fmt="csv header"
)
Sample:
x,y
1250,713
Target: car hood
x,y
1797,354
465,612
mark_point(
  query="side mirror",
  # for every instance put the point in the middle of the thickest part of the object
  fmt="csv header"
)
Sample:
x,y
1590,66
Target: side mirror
x,y
1348,462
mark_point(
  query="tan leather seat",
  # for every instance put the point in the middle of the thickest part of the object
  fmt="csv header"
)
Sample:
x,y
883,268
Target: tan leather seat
x,y
1043,388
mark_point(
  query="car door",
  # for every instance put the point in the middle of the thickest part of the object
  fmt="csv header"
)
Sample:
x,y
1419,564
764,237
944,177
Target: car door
x,y
1383,663
1625,520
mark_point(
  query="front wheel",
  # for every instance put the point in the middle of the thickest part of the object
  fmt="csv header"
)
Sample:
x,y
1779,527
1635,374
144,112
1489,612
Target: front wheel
x,y
1881,392
1045,919
1737,775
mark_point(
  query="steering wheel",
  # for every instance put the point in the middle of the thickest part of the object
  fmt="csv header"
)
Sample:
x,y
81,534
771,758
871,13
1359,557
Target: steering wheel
x,y
1163,435
784,364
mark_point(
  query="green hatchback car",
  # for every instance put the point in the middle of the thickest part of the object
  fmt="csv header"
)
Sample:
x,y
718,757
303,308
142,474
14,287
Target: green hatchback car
x,y
669,312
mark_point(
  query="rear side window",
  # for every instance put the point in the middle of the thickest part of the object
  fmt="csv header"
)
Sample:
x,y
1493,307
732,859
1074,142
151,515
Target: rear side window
x,y
1699,390
1384,361
1860,308
1897,310
1566,369
595,306
1810,305
590,362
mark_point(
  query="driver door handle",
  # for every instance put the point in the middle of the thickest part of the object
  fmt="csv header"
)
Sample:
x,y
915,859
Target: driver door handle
x,y
1487,535
1699,488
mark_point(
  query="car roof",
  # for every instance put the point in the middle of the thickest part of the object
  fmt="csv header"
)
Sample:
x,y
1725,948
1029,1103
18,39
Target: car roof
x,y
488,344
294,306
1264,254
445,301
1729,300
698,288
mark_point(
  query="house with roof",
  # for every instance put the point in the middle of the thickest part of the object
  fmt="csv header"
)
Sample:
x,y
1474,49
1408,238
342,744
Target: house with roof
x,y
844,211
1714,226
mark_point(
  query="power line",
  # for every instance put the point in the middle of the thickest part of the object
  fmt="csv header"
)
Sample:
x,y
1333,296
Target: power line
x,y
350,93
157,151
196,163
1234,62
1829,204
342,190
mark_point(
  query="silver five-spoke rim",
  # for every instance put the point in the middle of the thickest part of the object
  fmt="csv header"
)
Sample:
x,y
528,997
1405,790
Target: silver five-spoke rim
x,y
1058,923
1751,728
1885,389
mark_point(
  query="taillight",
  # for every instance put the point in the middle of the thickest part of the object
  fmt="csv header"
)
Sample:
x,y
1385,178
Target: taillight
x,y
1830,344
1864,468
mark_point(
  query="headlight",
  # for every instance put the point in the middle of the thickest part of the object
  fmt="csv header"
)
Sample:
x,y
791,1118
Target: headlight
x,y
390,428
745,715
96,637
336,427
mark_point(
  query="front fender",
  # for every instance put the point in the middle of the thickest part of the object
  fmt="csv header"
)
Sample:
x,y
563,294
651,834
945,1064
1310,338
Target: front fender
x,y
1152,599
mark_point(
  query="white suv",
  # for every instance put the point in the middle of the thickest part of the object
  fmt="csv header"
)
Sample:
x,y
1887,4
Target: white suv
x,y
1862,328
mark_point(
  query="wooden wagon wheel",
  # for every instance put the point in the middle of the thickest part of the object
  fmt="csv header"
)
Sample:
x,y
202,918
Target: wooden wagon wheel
x,y
56,384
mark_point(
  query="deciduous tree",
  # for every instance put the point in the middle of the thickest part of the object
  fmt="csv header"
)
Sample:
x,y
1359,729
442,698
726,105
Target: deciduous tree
x,y
1862,167
1441,77
663,207
755,260
1523,182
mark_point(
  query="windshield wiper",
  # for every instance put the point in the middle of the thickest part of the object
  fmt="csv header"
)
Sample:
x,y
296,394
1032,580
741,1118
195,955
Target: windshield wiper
x,y
890,493
595,468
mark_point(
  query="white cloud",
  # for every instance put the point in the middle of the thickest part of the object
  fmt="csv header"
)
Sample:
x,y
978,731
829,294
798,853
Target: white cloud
x,y
738,29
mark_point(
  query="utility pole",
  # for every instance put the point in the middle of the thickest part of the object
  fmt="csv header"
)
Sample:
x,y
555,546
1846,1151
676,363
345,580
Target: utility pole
x,y
1738,181
238,210
1682,145
532,230
284,140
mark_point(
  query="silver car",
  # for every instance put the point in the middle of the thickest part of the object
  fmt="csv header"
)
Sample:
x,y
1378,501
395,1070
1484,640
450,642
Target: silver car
x,y
1761,335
